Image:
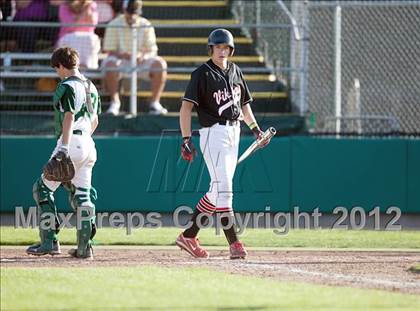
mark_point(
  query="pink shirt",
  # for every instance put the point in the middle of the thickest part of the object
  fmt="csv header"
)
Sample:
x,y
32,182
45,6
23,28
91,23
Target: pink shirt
x,y
66,16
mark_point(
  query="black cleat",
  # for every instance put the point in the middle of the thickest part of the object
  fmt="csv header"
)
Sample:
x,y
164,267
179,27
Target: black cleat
x,y
88,254
39,250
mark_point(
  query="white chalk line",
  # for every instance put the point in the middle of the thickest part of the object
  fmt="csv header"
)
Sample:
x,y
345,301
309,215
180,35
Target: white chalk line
x,y
333,275
329,275
268,266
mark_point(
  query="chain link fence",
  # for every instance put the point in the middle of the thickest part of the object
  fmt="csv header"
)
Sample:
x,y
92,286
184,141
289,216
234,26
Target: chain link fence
x,y
273,38
355,68
272,43
363,66
349,67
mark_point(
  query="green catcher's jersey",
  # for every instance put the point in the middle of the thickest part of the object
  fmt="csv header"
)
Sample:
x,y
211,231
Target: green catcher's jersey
x,y
70,96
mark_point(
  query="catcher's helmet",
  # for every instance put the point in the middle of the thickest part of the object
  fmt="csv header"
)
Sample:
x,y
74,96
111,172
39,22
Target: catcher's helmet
x,y
221,36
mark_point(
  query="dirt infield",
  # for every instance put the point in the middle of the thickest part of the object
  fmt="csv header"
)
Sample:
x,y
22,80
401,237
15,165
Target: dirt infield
x,y
388,270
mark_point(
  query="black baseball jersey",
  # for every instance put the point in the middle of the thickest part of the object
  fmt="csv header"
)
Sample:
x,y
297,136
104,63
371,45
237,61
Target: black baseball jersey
x,y
217,94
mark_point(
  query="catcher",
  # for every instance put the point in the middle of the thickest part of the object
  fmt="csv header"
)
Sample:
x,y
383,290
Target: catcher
x,y
76,107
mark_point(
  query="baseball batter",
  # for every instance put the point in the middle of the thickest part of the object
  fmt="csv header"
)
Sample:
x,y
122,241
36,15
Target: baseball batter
x,y
76,107
219,93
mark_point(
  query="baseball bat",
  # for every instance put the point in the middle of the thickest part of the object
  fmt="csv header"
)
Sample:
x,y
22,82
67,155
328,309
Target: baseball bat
x,y
267,135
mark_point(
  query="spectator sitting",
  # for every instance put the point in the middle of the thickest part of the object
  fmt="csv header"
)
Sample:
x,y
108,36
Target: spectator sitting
x,y
118,43
80,37
106,14
29,11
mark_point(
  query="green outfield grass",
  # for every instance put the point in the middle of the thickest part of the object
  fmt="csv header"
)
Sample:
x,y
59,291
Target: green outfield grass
x,y
252,237
179,289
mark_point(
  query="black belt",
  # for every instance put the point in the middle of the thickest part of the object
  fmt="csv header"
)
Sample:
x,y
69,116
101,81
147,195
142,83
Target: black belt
x,y
229,122
78,132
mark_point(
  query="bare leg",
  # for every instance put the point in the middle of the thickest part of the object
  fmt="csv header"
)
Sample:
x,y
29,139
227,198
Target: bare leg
x,y
158,79
112,79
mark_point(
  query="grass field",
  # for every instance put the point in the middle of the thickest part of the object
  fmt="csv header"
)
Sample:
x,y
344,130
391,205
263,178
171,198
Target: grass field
x,y
367,239
179,289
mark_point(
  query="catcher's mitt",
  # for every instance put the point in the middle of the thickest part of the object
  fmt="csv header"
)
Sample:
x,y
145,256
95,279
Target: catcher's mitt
x,y
59,168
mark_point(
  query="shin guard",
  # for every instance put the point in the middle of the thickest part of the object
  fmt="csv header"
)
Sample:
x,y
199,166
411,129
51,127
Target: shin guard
x,y
44,199
84,202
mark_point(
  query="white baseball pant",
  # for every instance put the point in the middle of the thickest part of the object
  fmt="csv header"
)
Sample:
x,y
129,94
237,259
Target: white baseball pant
x,y
219,145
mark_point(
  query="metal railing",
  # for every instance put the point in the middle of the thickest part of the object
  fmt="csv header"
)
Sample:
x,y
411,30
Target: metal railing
x,y
349,66
11,70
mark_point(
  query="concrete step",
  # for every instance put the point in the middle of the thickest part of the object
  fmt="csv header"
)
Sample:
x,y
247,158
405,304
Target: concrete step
x,y
262,77
182,12
181,86
263,102
194,23
185,3
198,31
179,94
185,60
196,60
200,49
173,105
197,40
46,97
175,82
25,87
41,123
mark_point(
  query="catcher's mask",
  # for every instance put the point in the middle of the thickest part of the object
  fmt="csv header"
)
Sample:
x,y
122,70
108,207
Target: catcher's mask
x,y
221,36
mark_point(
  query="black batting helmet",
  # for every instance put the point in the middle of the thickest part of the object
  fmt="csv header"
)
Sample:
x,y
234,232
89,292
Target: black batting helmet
x,y
221,36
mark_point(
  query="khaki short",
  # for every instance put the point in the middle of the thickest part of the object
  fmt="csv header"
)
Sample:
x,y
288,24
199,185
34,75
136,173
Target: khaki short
x,y
124,65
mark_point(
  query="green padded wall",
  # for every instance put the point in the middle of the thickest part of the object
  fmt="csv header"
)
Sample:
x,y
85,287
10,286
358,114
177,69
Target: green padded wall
x,y
349,172
413,176
146,174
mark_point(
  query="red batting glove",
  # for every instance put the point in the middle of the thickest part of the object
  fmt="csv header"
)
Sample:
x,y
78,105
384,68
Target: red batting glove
x,y
188,151
258,136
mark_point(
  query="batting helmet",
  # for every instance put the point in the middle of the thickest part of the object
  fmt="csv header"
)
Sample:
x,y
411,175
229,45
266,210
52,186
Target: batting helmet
x,y
221,36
